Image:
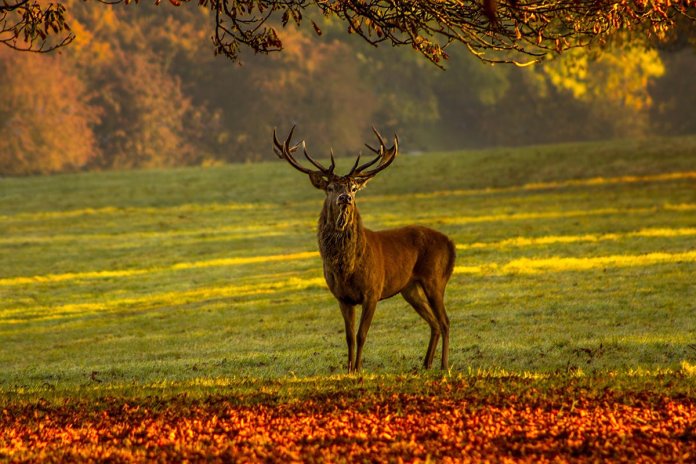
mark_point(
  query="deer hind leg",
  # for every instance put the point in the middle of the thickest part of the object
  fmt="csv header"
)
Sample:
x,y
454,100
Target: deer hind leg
x,y
348,312
437,302
416,297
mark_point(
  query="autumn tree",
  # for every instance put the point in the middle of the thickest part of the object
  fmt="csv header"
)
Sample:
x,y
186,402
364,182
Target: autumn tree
x,y
614,81
149,97
45,120
147,109
148,120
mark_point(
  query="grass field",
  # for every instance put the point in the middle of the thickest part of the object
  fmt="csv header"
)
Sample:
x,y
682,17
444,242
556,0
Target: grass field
x,y
576,263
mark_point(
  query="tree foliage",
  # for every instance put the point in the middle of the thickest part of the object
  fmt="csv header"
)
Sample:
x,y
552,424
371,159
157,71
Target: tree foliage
x,y
493,30
147,96
29,25
45,123
148,109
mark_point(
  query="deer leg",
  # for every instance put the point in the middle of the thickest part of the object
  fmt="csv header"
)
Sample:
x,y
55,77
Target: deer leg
x,y
416,297
436,299
368,310
348,312
430,354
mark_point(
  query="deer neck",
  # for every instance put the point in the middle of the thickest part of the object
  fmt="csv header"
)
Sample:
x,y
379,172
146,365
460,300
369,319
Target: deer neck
x,y
341,245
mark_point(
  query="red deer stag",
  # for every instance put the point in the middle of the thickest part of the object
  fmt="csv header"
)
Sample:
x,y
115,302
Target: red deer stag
x,y
362,267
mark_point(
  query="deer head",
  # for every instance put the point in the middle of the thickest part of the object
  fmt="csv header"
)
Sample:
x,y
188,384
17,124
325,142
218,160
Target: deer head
x,y
340,190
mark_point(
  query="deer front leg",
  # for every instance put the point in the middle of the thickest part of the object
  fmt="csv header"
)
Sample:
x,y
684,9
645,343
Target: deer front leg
x,y
348,312
368,310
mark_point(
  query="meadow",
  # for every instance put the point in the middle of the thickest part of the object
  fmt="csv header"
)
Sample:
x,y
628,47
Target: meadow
x,y
575,263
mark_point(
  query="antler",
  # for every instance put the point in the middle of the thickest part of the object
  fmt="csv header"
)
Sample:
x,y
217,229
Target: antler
x,y
285,151
385,156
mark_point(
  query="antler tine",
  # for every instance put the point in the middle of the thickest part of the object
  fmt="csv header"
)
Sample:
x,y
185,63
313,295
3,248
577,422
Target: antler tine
x,y
317,164
285,145
284,151
379,152
355,166
385,156
277,147
370,163
382,144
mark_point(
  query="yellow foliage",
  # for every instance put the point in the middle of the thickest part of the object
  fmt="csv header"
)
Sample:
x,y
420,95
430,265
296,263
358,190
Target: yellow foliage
x,y
624,76
619,75
614,81
88,46
569,72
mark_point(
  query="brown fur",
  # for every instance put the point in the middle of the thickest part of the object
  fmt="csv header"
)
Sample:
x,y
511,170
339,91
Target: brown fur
x,y
362,267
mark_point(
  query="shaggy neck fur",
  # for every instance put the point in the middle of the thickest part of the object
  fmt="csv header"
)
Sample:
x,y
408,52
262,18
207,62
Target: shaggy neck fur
x,y
341,238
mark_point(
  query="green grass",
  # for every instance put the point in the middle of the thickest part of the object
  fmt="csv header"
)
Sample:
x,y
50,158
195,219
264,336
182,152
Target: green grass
x,y
123,281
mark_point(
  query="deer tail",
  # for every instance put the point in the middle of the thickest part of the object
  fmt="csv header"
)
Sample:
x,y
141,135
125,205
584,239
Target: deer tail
x,y
452,256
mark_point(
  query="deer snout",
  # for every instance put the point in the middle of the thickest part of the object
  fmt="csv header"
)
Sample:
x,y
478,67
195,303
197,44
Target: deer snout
x,y
344,199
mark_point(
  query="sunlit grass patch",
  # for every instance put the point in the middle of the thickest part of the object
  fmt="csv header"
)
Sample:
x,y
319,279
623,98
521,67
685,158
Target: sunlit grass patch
x,y
106,274
246,260
159,299
134,239
434,219
521,265
524,216
559,264
189,208
534,186
532,266
555,239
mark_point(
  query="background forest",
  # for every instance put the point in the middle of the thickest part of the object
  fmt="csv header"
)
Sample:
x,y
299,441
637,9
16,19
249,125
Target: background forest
x,y
140,87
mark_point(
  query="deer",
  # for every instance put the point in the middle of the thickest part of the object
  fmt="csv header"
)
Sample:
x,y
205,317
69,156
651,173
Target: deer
x,y
363,267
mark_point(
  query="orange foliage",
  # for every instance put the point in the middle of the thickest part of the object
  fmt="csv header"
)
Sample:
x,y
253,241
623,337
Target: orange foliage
x,y
45,119
392,427
147,109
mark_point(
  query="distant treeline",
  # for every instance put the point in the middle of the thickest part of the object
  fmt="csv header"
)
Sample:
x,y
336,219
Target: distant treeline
x,y
141,88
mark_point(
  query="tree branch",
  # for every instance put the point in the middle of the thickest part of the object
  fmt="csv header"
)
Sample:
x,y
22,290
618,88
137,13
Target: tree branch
x,y
513,31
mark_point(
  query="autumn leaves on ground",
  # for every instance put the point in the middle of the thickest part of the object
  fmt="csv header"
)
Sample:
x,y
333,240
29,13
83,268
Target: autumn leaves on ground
x,y
181,314
452,423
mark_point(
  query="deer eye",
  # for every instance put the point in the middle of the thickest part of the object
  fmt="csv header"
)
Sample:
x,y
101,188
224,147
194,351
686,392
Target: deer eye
x,y
354,188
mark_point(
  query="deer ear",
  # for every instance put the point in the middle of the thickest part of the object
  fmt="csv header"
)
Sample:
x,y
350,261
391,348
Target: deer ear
x,y
318,180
